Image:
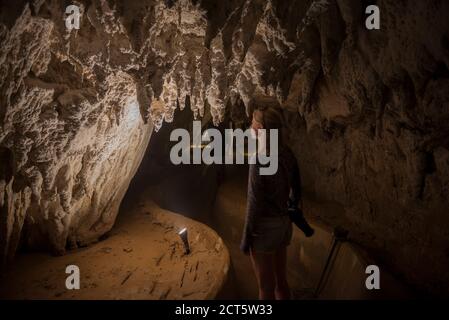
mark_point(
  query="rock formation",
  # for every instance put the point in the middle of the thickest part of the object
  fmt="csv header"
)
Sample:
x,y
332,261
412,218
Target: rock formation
x,y
71,131
366,110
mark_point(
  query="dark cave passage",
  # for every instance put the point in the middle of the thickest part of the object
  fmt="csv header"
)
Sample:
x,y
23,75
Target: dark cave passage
x,y
216,196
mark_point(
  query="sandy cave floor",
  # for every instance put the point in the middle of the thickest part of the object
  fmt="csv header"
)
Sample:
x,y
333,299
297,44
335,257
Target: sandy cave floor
x,y
142,258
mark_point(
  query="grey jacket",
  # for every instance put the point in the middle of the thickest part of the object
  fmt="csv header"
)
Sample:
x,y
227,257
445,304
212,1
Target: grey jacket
x,y
268,195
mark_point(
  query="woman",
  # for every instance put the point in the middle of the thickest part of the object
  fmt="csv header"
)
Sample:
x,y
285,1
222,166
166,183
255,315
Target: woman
x,y
268,228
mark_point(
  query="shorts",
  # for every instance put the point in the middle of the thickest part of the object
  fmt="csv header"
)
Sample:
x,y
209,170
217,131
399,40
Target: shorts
x,y
271,233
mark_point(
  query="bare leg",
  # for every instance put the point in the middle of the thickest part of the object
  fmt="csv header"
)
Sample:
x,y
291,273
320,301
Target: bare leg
x,y
282,290
263,264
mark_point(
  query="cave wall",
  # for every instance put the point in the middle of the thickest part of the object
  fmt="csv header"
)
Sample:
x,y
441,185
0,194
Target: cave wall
x,y
367,110
71,132
375,137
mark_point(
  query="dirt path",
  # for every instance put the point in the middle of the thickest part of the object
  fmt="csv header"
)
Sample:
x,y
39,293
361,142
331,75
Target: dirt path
x,y
143,258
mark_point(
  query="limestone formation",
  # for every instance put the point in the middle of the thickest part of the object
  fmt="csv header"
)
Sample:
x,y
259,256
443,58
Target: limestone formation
x,y
366,109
